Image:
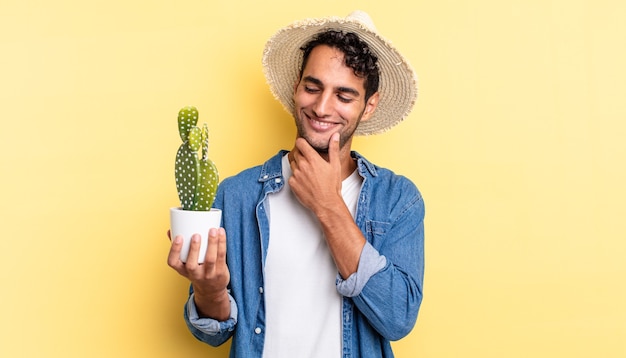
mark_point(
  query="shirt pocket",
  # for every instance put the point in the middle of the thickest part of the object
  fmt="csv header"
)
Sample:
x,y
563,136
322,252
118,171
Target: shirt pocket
x,y
376,231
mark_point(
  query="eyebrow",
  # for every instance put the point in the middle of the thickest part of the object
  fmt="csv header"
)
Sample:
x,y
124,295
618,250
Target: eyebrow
x,y
340,89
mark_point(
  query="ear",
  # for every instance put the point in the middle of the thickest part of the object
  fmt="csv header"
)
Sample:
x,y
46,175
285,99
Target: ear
x,y
370,106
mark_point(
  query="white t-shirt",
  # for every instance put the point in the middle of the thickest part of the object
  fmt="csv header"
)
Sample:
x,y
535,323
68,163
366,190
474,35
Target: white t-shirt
x,y
302,305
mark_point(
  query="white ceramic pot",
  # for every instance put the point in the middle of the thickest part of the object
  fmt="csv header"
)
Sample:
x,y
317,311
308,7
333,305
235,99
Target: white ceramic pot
x,y
188,222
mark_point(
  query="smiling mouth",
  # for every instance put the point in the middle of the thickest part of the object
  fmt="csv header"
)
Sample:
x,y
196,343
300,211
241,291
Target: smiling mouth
x,y
319,125
322,124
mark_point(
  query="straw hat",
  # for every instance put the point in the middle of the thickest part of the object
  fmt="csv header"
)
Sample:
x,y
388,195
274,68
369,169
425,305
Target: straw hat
x,y
282,59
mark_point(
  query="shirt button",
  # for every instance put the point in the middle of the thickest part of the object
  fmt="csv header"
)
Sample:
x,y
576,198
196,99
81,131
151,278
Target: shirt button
x,y
265,176
278,180
257,330
260,289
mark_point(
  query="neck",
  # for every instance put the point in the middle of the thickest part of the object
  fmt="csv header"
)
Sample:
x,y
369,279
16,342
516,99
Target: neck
x,y
348,165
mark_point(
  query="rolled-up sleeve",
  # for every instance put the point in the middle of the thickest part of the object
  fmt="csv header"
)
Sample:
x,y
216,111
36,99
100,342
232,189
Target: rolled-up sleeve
x,y
209,330
370,263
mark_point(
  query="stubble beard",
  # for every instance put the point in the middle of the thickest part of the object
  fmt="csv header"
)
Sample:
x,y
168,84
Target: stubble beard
x,y
322,148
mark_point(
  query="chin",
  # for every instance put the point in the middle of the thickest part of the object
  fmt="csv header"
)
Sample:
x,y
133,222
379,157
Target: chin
x,y
319,147
321,150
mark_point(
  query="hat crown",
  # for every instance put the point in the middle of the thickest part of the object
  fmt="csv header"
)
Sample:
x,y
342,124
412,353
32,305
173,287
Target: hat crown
x,y
363,18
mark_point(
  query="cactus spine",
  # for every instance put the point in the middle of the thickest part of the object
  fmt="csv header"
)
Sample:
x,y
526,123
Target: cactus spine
x,y
196,178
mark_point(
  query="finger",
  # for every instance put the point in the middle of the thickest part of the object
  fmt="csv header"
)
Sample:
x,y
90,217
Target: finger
x,y
211,251
173,258
333,150
304,149
194,252
169,235
221,247
293,156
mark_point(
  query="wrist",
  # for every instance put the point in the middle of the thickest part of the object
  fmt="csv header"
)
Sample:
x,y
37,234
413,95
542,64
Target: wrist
x,y
215,305
210,296
332,210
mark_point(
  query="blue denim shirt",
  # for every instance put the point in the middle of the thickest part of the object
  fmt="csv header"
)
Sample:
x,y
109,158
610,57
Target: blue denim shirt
x,y
380,301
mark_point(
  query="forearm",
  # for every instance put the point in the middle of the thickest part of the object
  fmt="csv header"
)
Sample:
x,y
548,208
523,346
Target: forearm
x,y
343,237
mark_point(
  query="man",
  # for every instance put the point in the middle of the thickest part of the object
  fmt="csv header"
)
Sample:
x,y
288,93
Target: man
x,y
325,249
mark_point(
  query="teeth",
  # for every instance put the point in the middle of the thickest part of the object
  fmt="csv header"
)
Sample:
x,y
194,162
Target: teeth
x,y
322,124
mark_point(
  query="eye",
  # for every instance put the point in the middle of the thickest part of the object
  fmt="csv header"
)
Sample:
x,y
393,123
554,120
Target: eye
x,y
344,99
309,89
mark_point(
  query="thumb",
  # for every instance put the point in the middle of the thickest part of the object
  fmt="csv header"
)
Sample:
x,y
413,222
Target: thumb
x,y
333,150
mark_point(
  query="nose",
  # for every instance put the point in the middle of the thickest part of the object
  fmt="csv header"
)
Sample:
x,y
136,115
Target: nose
x,y
322,106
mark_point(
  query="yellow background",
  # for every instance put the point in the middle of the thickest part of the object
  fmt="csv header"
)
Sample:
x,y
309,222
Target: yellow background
x,y
518,143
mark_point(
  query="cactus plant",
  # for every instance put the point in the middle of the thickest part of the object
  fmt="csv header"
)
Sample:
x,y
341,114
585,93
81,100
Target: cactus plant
x,y
196,177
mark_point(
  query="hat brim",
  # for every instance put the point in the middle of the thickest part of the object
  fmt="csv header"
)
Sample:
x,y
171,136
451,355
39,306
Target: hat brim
x,y
282,59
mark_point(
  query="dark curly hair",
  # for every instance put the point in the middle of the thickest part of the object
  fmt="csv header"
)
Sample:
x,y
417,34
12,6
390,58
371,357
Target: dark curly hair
x,y
357,56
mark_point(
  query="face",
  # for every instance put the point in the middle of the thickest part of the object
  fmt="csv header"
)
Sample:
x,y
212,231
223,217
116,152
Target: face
x,y
330,98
